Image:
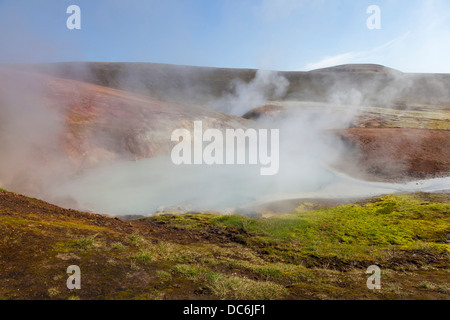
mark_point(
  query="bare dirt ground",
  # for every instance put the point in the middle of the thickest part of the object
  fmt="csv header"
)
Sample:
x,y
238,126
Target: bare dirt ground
x,y
385,144
98,123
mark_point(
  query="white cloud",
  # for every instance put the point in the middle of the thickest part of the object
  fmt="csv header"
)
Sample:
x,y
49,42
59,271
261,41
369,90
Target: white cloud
x,y
425,48
369,56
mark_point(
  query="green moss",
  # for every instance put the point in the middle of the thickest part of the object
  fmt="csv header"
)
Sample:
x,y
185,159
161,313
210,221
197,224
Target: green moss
x,y
303,251
351,231
49,224
189,271
188,221
348,232
63,246
117,246
137,239
85,243
142,256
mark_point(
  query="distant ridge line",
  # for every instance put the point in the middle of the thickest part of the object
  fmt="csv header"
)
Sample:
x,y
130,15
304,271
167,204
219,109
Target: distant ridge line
x,y
353,68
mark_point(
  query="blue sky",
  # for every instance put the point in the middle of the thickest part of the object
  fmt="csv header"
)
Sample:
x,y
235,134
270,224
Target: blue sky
x,y
270,34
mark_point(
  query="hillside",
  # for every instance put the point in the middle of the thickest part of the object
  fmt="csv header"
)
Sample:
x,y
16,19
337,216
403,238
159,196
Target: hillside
x,y
359,68
194,256
200,85
71,117
67,126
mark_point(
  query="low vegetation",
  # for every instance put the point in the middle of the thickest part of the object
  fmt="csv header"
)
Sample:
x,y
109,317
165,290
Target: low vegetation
x,y
319,254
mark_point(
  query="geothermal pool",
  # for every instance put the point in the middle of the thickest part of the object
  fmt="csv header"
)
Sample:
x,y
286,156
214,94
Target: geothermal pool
x,y
146,186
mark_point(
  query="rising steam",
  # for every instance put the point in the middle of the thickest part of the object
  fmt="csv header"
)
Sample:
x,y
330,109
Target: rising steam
x,y
122,171
243,97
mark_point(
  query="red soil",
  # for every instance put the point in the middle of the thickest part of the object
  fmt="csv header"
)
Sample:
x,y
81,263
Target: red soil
x,y
398,154
100,123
